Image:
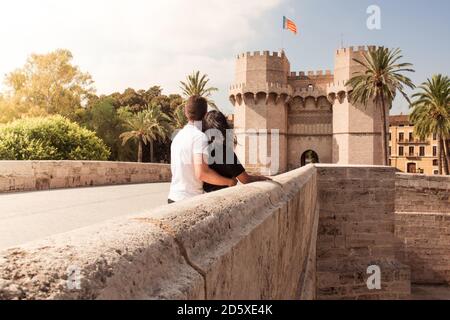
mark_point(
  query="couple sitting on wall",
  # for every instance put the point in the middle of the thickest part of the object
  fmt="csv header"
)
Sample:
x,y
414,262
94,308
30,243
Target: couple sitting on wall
x,y
202,154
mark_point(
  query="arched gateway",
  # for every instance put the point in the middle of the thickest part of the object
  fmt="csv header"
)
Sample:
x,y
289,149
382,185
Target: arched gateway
x,y
308,157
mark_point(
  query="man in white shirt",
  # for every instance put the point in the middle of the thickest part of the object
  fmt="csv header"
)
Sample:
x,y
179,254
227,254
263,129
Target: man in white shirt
x,y
189,156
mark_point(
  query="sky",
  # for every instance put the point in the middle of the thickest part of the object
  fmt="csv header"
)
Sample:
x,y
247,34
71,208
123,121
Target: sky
x,y
141,43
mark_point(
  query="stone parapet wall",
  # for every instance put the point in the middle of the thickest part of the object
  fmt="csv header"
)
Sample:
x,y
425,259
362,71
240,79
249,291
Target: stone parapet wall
x,y
419,193
356,230
423,226
311,233
424,244
248,242
16,176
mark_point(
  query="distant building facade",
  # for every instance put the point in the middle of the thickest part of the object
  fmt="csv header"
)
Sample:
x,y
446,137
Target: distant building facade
x,y
310,111
408,153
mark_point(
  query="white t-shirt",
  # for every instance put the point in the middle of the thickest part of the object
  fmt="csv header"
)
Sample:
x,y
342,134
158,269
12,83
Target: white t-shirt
x,y
189,141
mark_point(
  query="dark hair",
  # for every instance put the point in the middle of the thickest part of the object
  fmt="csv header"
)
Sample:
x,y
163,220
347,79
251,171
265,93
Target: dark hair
x,y
217,120
196,108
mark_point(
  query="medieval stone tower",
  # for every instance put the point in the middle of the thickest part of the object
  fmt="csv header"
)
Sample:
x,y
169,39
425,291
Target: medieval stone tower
x,y
310,112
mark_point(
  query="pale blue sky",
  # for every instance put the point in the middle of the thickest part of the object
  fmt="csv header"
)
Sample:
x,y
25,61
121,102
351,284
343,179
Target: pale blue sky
x,y
140,43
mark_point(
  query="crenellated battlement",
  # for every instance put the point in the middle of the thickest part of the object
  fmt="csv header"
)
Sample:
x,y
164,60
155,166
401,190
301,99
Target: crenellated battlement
x,y
273,54
317,73
355,49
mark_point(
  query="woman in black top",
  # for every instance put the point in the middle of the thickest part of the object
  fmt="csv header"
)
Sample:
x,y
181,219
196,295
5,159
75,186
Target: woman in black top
x,y
222,143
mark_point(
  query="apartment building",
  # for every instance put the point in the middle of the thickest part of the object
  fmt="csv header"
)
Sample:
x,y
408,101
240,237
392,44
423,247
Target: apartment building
x,y
409,153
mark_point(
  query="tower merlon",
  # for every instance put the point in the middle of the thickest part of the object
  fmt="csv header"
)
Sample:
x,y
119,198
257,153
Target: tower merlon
x,y
266,53
315,74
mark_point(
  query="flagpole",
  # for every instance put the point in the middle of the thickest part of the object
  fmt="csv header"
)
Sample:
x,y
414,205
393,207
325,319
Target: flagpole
x,y
282,35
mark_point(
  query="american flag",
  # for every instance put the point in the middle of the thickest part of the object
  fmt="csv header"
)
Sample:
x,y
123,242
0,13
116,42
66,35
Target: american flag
x,y
289,25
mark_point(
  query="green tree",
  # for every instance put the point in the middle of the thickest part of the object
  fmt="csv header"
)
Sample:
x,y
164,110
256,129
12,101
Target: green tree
x,y
431,115
49,138
146,127
158,127
179,119
108,123
49,83
137,130
197,84
380,82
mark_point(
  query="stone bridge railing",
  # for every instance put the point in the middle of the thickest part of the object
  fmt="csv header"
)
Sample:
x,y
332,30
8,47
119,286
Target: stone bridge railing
x,y
309,234
18,176
255,241
423,226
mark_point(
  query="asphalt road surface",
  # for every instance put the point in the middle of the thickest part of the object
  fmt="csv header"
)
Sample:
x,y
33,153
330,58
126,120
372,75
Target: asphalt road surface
x,y
29,216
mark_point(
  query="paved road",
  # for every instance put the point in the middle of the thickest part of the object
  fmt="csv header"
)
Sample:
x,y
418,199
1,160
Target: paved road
x,y
29,216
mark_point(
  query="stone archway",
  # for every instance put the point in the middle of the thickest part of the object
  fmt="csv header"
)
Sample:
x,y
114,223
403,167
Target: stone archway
x,y
308,157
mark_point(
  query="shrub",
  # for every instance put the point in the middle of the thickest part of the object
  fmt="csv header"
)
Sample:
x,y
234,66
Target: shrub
x,y
49,138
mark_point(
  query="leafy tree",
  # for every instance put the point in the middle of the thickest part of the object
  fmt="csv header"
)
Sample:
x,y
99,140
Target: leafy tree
x,y
179,119
108,123
197,84
380,82
158,127
132,99
137,130
49,138
48,83
146,127
431,115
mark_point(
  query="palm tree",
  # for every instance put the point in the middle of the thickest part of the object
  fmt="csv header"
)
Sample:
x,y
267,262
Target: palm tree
x,y
179,118
158,126
380,82
431,115
196,84
137,125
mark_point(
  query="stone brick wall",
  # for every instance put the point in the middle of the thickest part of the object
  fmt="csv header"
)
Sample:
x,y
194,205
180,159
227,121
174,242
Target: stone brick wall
x,y
424,244
419,193
249,242
423,226
18,176
356,230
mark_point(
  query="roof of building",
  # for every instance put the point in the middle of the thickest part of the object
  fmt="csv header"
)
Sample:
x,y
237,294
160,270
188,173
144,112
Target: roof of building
x,y
396,120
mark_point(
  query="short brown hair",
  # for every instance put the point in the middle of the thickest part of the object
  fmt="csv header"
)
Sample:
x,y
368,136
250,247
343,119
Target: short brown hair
x,y
196,108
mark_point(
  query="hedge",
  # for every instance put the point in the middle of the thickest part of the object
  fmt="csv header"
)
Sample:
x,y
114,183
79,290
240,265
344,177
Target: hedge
x,y
49,138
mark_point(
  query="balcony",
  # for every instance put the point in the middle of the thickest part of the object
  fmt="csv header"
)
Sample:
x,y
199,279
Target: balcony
x,y
413,141
414,155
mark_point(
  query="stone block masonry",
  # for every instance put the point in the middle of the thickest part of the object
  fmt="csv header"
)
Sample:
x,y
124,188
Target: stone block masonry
x,y
17,176
419,193
356,230
423,226
311,233
248,242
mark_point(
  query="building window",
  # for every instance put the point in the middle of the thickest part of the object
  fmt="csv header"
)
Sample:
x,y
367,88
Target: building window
x,y
390,162
422,151
411,151
434,151
400,151
390,136
435,162
434,136
390,151
410,136
436,172
401,136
